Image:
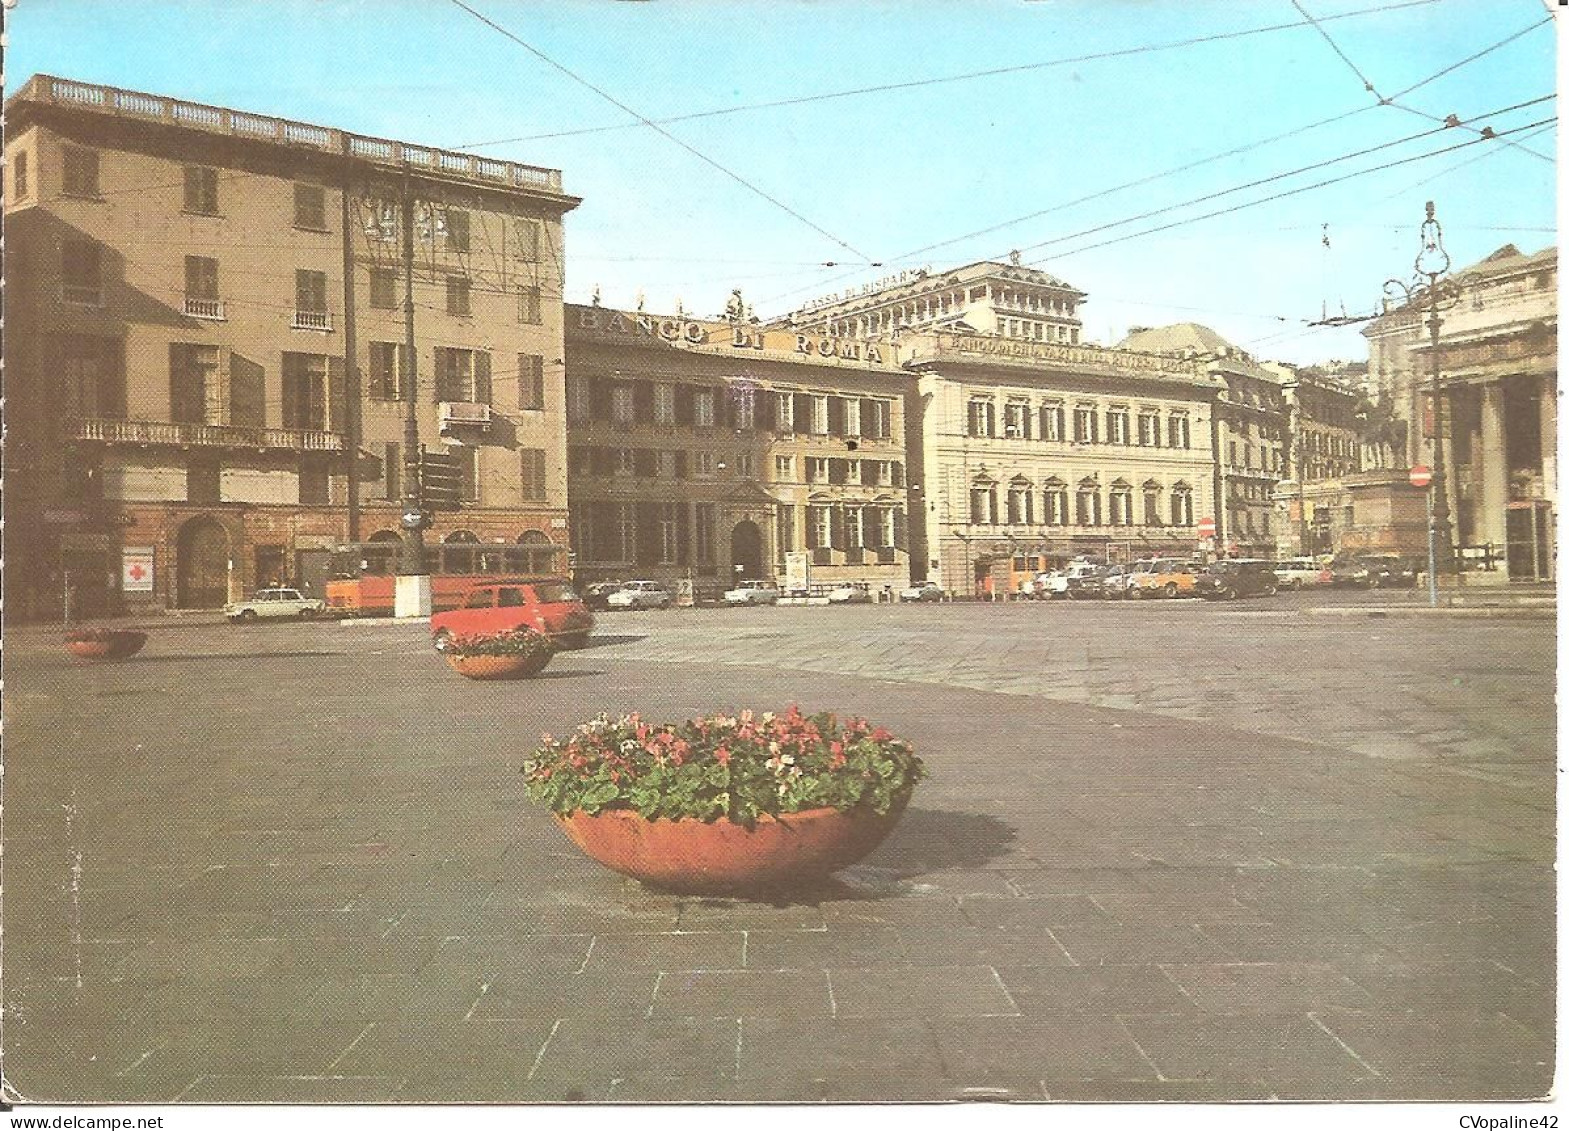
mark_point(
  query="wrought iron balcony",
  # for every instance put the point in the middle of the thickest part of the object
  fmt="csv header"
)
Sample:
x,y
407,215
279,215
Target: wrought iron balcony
x,y
169,434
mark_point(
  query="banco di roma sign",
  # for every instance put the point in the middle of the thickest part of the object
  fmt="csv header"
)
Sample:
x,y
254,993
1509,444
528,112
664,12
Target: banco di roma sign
x,y
685,332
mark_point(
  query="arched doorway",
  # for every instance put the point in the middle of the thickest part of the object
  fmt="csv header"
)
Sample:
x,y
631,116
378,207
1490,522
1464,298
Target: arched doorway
x,y
540,551
202,565
746,550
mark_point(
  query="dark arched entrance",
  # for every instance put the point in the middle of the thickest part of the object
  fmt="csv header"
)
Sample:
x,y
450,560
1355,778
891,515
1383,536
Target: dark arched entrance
x,y
202,565
746,549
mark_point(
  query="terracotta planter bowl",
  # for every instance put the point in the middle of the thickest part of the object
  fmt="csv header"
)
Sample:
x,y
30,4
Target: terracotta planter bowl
x,y
119,645
720,857
498,667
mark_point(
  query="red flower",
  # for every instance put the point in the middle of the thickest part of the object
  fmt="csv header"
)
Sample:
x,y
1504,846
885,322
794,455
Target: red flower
x,y
722,755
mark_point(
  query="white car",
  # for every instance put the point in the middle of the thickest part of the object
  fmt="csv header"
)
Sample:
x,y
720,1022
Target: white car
x,y
640,595
923,591
753,593
1299,573
274,603
854,593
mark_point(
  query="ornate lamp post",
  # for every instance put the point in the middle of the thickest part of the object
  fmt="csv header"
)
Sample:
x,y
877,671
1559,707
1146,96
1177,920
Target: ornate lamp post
x,y
1432,264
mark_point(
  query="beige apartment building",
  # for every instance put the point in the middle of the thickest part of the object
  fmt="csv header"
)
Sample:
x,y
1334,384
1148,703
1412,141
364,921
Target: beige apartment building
x,y
703,452
1031,452
207,348
1326,434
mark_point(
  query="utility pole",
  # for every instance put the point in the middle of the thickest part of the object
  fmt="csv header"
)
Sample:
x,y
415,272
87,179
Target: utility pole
x,y
351,372
413,583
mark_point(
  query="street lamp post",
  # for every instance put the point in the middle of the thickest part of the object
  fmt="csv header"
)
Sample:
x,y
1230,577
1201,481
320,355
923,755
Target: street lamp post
x,y
1432,264
412,597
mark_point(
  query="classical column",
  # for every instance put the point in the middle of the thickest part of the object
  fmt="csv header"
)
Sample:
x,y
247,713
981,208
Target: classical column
x,y
1491,459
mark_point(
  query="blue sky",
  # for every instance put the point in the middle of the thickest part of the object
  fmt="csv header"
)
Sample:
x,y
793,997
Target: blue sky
x,y
888,174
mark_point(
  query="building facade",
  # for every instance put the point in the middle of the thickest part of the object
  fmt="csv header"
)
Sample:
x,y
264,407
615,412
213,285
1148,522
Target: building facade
x,y
1497,362
1033,452
1252,426
1005,300
704,452
208,347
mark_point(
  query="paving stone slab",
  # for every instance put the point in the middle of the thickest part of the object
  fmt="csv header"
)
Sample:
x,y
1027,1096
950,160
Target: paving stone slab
x,y
935,991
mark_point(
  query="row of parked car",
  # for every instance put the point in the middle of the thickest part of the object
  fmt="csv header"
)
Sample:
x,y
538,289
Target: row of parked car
x,y
1225,580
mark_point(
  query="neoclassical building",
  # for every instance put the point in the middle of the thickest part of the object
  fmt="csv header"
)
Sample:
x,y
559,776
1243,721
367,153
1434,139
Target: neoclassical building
x,y
1497,364
1005,300
709,451
1031,452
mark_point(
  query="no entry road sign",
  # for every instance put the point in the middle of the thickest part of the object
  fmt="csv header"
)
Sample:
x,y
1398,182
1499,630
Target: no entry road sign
x,y
1421,475
1206,528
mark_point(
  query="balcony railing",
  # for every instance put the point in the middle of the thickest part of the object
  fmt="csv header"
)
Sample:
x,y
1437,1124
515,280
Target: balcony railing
x,y
210,308
164,433
465,413
822,556
311,320
217,119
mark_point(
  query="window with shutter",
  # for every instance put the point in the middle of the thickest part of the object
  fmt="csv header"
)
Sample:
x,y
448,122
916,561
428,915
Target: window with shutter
x,y
79,172
391,472
531,381
533,468
458,297
201,190
482,389
310,207
383,288
457,230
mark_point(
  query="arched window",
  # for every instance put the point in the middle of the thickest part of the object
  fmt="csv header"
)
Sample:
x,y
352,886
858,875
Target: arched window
x,y
539,553
1121,500
1182,505
1087,512
1151,492
457,555
1021,502
1056,503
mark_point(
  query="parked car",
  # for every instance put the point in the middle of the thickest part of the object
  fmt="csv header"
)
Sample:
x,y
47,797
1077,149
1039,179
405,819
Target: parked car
x,y
275,603
922,591
851,593
640,595
753,593
1063,582
1087,584
1114,582
1372,571
1163,577
1231,578
597,595
544,604
1300,573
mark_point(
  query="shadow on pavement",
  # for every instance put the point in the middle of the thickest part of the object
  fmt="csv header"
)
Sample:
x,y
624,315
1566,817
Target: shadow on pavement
x,y
924,841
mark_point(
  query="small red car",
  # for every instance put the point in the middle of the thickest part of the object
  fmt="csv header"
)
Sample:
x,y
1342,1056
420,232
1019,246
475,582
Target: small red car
x,y
545,604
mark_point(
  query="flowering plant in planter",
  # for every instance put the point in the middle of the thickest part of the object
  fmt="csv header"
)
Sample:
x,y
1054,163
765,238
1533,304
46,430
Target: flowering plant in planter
x,y
523,642
737,768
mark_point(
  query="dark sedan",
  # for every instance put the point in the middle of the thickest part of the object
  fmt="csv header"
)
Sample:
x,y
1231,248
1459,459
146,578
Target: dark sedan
x,y
1236,577
1373,571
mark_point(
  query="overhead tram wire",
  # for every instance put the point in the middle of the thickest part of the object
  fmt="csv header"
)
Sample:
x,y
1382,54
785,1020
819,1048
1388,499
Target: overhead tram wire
x,y
1452,67
1267,180
964,77
1391,100
666,134
1299,190
1282,176
1457,166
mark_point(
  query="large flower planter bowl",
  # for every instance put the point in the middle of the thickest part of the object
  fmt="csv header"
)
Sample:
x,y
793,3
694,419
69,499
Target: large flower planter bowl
x,y
498,667
116,645
720,857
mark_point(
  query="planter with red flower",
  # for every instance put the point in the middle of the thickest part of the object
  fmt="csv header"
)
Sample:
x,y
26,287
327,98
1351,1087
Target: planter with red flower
x,y
726,804
104,643
518,654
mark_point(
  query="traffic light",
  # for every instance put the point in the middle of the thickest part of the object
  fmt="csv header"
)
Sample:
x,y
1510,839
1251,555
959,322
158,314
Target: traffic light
x,y
440,481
